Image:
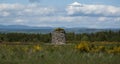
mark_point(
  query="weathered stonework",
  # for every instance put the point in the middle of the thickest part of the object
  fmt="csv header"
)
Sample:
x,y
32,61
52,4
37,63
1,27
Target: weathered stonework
x,y
58,36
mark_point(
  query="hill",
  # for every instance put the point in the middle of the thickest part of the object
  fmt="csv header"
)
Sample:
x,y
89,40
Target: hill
x,y
30,29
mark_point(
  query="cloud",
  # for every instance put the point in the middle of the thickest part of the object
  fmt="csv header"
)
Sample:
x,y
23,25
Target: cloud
x,y
92,10
23,14
25,10
117,19
102,19
5,14
36,15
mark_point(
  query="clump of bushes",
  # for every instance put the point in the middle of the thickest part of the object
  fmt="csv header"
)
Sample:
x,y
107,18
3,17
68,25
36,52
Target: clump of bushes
x,y
114,50
93,48
83,47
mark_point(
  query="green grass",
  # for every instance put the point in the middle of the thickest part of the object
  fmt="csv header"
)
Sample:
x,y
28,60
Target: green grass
x,y
50,54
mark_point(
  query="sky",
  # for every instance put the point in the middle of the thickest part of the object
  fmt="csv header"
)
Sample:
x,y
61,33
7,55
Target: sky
x,y
61,13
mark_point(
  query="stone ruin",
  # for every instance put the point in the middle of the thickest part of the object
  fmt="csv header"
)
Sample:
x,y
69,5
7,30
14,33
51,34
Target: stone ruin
x,y
58,36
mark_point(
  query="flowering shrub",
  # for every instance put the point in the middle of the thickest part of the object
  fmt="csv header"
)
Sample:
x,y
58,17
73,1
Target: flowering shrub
x,y
83,47
94,48
97,49
37,48
114,50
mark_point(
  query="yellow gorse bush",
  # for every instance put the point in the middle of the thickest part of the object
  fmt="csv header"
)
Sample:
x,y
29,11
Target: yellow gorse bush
x,y
83,46
97,49
37,48
93,48
114,50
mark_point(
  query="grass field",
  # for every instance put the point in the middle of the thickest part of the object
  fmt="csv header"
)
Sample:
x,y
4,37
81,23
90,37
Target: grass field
x,y
83,53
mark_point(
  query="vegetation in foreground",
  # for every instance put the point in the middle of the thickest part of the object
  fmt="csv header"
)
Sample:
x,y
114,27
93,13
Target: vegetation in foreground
x,y
82,53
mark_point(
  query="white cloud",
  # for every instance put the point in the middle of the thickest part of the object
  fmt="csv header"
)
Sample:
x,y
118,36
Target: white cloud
x,y
93,10
36,15
19,20
5,13
102,19
117,19
25,10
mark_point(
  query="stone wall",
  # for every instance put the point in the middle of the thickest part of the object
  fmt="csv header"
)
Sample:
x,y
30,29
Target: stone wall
x,y
58,37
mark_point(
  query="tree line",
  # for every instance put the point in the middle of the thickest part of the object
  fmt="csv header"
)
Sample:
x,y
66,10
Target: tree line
x,y
70,37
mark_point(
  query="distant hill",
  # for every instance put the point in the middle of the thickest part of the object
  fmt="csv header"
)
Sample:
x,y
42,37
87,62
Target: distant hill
x,y
24,29
30,29
21,27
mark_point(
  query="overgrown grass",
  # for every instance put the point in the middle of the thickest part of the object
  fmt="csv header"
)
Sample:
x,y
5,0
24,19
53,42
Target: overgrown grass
x,y
53,54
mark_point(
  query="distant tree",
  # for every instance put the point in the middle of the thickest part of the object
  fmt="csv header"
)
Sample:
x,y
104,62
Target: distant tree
x,y
70,37
85,37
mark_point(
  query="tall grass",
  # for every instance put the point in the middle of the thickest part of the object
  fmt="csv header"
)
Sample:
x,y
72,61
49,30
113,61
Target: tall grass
x,y
50,54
